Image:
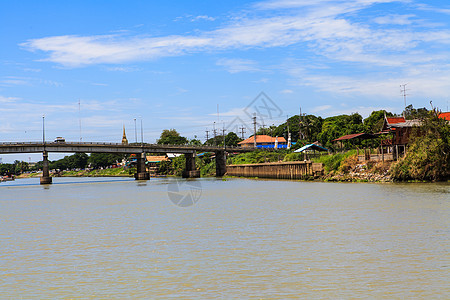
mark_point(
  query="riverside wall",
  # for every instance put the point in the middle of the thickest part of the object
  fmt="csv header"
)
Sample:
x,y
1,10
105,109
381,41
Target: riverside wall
x,y
279,170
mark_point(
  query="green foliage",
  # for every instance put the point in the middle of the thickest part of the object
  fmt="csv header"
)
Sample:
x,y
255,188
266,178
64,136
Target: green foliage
x,y
428,154
412,113
175,166
259,156
110,172
293,157
171,137
16,168
337,126
77,160
102,160
374,122
333,162
231,139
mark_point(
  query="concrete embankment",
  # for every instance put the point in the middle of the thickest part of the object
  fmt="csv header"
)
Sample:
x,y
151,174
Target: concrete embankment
x,y
279,170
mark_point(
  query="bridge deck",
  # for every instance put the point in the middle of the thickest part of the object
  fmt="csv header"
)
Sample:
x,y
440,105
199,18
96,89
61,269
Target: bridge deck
x,y
93,147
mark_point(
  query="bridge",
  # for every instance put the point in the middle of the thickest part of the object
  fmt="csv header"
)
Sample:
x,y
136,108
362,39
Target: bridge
x,y
189,151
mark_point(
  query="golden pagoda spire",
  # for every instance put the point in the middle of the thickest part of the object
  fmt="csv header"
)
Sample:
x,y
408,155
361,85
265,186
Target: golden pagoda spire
x,y
124,138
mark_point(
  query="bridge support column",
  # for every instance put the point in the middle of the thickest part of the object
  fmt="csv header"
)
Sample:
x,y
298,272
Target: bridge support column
x,y
190,170
45,179
141,171
221,163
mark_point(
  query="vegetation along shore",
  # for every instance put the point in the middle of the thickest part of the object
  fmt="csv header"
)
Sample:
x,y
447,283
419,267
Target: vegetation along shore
x,y
374,150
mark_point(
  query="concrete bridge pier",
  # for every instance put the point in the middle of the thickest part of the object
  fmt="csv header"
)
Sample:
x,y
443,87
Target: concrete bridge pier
x,y
221,163
45,179
141,171
190,170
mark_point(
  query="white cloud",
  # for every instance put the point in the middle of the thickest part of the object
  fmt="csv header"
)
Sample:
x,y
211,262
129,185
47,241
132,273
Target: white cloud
x,y
324,27
202,18
235,65
394,20
426,7
4,99
8,81
286,91
327,28
321,108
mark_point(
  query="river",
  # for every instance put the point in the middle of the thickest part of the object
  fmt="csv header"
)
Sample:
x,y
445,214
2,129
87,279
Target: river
x,y
209,238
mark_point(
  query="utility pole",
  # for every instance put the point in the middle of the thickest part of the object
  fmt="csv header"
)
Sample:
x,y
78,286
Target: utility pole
x,y
215,133
242,131
254,130
142,135
135,131
289,134
43,130
403,92
207,137
223,134
300,135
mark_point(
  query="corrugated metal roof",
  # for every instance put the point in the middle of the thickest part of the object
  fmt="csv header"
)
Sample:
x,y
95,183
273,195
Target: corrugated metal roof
x,y
355,135
407,123
395,120
311,147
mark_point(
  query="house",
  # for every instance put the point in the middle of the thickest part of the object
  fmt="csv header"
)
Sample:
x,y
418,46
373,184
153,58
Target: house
x,y
401,130
264,141
152,162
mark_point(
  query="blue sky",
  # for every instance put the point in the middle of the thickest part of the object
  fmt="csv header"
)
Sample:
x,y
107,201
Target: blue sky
x,y
172,64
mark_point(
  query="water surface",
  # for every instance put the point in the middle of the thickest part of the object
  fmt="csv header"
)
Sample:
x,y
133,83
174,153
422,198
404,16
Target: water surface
x,y
119,238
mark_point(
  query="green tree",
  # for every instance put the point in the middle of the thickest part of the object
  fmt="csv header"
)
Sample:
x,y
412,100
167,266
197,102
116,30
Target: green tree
x,y
231,139
428,155
171,137
20,167
374,122
412,113
97,160
337,126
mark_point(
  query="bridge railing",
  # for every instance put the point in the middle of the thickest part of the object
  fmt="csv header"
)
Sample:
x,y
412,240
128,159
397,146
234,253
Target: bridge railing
x,y
137,145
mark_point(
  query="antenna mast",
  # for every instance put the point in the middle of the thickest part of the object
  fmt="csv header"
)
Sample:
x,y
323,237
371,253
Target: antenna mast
x,y
403,92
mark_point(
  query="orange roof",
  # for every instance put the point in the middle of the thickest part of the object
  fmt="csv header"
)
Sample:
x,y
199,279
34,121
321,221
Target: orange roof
x,y
445,115
151,158
262,139
395,120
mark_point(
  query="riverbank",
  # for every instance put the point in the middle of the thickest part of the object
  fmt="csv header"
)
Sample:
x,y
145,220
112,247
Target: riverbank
x,y
111,172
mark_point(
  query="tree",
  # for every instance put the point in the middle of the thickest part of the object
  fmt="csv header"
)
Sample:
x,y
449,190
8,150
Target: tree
x,y
20,167
412,113
171,137
337,126
77,160
98,160
231,139
374,122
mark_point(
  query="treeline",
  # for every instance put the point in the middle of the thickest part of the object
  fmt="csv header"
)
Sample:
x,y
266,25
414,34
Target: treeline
x,y
75,161
307,129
